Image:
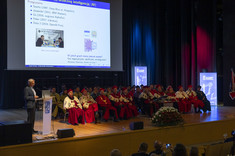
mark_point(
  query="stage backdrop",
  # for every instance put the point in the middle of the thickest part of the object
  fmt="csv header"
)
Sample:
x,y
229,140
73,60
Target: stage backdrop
x,y
175,39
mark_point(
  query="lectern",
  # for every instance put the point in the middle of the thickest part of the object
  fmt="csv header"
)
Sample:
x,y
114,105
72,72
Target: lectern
x,y
47,107
45,115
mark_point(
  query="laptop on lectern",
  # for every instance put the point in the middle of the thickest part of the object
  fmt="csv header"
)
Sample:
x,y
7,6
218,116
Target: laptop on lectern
x,y
46,93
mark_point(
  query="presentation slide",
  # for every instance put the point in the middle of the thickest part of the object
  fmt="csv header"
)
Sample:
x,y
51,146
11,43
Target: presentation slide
x,y
67,34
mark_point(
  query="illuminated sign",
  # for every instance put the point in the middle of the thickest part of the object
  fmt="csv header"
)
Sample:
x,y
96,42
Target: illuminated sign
x,y
208,82
140,75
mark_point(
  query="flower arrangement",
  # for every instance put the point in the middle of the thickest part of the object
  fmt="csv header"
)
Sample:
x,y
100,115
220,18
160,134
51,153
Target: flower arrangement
x,y
167,116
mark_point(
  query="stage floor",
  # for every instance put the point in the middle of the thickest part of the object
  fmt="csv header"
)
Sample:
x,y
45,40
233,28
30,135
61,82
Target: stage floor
x,y
217,113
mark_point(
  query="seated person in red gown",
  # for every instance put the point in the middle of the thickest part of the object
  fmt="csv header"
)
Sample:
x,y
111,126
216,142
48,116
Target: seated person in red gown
x,y
152,89
155,95
160,91
118,104
136,98
105,104
154,92
184,103
108,91
90,107
172,97
170,93
147,98
128,101
198,104
74,107
132,91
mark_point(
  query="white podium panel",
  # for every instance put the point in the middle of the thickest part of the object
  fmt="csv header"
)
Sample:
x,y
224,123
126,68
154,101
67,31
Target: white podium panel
x,y
47,107
43,115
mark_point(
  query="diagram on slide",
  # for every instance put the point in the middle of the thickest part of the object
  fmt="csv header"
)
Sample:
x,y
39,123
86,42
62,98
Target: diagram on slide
x,y
90,43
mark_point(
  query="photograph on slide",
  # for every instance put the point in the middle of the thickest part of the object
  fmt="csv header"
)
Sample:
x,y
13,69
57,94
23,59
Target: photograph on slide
x,y
49,38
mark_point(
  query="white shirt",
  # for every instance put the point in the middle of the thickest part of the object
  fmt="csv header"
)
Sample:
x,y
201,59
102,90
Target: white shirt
x,y
33,91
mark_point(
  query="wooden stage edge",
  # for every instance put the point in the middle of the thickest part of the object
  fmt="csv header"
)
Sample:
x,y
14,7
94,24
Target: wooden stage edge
x,y
198,129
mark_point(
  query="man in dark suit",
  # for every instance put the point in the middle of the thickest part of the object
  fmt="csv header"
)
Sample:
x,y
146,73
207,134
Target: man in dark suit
x,y
201,96
39,42
61,42
30,96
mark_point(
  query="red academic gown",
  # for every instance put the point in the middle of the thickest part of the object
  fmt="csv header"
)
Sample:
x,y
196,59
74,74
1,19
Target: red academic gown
x,y
104,101
93,107
131,93
187,105
89,114
123,110
76,115
174,99
161,93
130,105
172,95
196,102
184,104
156,104
153,91
151,105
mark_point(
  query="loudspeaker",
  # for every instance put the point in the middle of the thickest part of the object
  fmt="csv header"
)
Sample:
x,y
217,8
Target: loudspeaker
x,y
65,133
15,132
136,125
